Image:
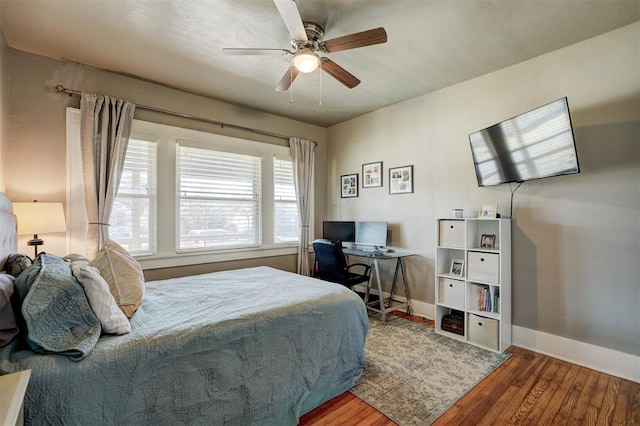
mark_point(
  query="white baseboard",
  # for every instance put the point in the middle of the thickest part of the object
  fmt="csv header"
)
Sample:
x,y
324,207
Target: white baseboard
x,y
423,309
605,360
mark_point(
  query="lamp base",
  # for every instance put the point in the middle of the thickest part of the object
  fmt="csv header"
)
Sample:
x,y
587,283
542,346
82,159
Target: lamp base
x,y
35,242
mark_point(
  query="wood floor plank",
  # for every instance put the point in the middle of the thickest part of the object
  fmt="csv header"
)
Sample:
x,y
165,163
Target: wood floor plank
x,y
622,404
539,384
634,409
566,397
608,406
597,396
558,398
476,403
543,392
575,415
523,382
529,388
499,407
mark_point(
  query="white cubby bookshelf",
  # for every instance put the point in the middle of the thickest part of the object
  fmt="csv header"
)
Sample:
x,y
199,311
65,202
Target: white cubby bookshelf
x,y
482,293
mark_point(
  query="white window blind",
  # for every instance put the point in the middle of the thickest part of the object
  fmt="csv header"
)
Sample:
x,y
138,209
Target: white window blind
x,y
133,218
218,200
287,222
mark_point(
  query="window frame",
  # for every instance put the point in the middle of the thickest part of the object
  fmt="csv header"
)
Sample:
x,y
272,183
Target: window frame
x,y
151,196
258,202
167,137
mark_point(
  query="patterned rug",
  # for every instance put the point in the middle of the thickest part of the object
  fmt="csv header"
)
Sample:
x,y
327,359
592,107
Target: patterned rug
x,y
413,375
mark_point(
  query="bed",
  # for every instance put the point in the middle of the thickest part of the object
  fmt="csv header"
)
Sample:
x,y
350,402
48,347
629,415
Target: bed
x,y
251,346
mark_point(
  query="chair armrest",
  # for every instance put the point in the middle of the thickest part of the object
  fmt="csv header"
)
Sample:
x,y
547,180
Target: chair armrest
x,y
366,267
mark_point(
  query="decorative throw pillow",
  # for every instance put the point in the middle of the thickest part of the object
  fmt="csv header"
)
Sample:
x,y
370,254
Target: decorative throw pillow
x,y
16,263
101,300
123,274
8,327
55,311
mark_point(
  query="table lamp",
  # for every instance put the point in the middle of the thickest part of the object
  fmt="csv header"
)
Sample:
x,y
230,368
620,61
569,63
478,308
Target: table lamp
x,y
39,218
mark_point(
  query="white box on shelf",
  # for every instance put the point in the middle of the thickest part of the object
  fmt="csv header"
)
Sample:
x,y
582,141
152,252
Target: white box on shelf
x,y
452,233
483,331
484,267
451,293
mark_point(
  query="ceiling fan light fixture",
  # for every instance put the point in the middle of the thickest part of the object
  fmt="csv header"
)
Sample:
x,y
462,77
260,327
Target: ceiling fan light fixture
x,y
306,61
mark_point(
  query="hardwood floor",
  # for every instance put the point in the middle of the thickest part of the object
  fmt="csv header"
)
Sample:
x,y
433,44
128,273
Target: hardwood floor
x,y
527,389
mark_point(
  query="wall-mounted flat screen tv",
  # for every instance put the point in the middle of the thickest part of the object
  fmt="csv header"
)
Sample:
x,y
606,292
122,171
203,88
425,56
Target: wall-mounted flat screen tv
x,y
533,145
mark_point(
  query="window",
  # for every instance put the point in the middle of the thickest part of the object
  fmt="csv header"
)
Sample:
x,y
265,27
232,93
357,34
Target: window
x,y
133,218
190,197
287,222
219,199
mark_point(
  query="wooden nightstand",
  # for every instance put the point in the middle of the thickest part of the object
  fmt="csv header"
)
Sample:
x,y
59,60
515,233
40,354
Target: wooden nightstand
x,y
12,389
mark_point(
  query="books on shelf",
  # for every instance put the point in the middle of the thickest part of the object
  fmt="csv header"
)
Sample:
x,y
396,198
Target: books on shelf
x,y
485,298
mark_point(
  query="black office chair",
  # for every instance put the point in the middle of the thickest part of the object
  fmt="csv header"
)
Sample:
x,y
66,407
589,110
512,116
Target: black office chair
x,y
331,265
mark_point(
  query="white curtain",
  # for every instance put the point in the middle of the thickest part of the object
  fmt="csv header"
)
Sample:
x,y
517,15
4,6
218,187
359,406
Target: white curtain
x,y
105,127
303,153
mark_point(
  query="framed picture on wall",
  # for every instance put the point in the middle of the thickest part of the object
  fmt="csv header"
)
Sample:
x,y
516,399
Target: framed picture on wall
x,y
401,180
349,186
372,174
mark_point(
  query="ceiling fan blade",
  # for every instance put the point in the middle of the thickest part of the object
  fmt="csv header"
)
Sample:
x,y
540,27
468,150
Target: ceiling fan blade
x,y
352,41
339,73
287,79
291,16
257,51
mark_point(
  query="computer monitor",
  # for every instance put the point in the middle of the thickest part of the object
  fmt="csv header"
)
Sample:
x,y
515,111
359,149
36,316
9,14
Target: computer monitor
x,y
371,234
342,231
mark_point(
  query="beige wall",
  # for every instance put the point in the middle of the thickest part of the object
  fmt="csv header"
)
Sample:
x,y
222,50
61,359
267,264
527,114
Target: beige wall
x,y
576,239
35,163
4,101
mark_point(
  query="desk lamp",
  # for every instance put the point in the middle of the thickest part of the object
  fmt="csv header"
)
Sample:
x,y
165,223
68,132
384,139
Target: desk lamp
x,y
39,218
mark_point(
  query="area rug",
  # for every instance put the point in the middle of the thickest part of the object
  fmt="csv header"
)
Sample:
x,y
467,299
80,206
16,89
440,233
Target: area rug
x,y
414,375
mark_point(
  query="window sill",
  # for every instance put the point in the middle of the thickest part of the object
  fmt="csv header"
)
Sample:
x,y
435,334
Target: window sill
x,y
167,260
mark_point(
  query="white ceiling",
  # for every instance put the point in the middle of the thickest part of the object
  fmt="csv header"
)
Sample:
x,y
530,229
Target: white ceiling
x,y
431,44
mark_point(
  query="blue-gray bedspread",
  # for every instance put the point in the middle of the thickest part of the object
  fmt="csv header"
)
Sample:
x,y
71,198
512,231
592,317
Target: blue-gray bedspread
x,y
256,346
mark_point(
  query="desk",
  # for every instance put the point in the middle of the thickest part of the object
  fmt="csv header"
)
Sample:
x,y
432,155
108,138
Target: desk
x,y
374,257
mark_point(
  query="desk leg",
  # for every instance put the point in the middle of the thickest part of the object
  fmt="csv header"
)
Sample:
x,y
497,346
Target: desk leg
x,y
406,287
395,279
368,289
379,288
400,268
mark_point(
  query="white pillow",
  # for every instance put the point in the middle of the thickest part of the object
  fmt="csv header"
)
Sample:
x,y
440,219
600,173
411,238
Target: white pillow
x,y
123,274
113,320
8,327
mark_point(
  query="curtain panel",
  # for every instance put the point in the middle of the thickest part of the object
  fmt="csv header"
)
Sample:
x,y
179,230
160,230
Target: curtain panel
x,y
105,126
303,155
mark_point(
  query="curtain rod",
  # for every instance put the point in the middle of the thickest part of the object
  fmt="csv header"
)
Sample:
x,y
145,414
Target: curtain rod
x,y
61,89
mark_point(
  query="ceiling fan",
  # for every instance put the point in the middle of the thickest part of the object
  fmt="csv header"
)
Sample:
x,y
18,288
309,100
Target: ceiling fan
x,y
307,45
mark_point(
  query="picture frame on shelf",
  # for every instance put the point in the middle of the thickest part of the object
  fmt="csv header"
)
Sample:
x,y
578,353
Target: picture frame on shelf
x,y
457,267
401,180
349,186
488,211
372,174
488,241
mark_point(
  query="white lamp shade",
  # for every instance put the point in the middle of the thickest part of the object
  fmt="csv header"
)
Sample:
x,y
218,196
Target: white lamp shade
x,y
306,61
39,218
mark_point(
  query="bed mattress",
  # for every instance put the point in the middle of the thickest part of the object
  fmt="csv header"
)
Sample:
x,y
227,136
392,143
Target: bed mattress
x,y
250,346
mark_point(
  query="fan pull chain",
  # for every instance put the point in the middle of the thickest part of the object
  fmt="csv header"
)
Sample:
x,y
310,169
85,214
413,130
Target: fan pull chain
x,y
320,103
